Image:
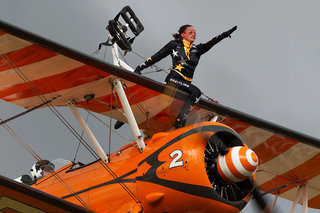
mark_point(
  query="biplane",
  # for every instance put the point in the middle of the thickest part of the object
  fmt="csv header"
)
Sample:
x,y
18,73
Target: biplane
x,y
214,164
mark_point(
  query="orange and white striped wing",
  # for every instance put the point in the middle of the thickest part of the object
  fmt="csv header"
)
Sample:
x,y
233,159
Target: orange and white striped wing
x,y
284,163
33,69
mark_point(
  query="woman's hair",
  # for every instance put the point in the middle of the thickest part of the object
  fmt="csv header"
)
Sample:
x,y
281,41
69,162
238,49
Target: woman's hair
x,y
183,28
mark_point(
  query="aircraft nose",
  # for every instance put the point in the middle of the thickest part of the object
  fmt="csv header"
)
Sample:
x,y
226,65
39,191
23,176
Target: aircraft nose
x,y
238,164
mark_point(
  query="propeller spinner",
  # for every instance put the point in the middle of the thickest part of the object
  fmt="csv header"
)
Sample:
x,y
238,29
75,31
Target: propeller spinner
x,y
237,165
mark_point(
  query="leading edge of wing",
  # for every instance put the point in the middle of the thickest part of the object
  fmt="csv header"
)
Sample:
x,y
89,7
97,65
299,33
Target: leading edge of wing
x,y
156,86
258,122
19,194
86,59
82,57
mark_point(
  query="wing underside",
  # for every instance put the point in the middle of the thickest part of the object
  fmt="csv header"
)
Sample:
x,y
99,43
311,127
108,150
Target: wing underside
x,y
33,70
17,197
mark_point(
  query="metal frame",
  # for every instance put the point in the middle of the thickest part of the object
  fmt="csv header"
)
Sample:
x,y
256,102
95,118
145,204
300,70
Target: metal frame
x,y
301,190
124,100
88,132
274,202
126,107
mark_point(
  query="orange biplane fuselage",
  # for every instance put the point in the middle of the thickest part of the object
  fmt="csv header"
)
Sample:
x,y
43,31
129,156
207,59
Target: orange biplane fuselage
x,y
170,175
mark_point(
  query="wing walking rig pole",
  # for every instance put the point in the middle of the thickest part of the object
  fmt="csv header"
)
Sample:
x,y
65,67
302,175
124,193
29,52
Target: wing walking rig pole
x,y
119,37
124,100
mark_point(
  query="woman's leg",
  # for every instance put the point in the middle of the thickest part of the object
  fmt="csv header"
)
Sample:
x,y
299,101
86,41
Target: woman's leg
x,y
193,98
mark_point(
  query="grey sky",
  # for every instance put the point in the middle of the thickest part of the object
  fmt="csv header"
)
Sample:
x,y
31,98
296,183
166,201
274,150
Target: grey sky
x,y
270,67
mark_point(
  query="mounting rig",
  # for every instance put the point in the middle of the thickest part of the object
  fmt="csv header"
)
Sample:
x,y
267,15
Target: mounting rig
x,y
119,36
119,28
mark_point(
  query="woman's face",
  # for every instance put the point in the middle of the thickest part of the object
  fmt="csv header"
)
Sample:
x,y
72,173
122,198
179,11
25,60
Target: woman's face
x,y
189,34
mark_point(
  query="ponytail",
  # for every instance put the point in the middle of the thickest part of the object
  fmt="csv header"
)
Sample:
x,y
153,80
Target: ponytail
x,y
177,36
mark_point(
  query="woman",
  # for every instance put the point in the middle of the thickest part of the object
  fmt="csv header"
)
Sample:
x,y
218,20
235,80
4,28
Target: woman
x,y
185,57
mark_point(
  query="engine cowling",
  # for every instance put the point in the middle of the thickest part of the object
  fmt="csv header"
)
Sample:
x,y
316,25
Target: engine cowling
x,y
223,153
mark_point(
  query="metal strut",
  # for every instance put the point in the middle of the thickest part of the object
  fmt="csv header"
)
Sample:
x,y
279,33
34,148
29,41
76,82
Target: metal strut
x,y
88,132
301,190
124,100
27,111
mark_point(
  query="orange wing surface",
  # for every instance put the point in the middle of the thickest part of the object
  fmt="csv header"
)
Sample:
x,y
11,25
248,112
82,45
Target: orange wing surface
x,y
34,69
17,197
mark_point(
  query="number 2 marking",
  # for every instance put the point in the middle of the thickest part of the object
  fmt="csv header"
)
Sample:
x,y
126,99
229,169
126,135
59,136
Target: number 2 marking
x,y
175,162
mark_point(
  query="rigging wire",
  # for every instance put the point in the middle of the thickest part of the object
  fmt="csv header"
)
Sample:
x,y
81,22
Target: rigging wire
x,y
21,142
123,57
141,108
159,69
75,156
110,105
301,180
43,99
67,124
27,111
124,186
105,52
123,137
39,159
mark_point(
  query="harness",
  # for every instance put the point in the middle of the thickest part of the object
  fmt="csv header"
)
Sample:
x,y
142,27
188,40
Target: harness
x,y
183,76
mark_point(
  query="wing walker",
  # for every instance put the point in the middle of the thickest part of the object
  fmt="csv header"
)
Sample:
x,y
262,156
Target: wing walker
x,y
207,166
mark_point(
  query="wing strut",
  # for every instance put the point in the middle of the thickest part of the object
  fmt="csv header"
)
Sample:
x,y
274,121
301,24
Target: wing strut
x,y
88,132
124,101
302,189
274,202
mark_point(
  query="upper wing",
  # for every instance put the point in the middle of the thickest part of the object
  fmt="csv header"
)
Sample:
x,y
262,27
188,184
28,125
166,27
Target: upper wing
x,y
287,159
17,197
33,70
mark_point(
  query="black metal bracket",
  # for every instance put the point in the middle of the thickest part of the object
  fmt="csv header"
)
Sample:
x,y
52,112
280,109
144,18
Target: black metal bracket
x,y
119,28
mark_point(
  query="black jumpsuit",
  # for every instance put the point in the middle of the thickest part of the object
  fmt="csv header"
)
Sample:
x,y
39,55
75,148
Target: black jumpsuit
x,y
185,57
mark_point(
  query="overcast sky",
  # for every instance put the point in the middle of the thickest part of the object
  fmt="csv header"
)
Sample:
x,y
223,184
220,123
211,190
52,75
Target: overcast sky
x,y
269,68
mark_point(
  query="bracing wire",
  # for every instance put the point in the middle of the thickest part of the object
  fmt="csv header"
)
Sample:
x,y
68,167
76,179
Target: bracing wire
x,y
75,156
38,158
27,111
140,107
105,53
20,141
124,186
43,99
158,69
122,136
125,60
62,119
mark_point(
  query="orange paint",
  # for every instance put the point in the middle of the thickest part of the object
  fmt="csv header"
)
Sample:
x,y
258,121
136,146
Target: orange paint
x,y
274,146
168,176
303,173
25,56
